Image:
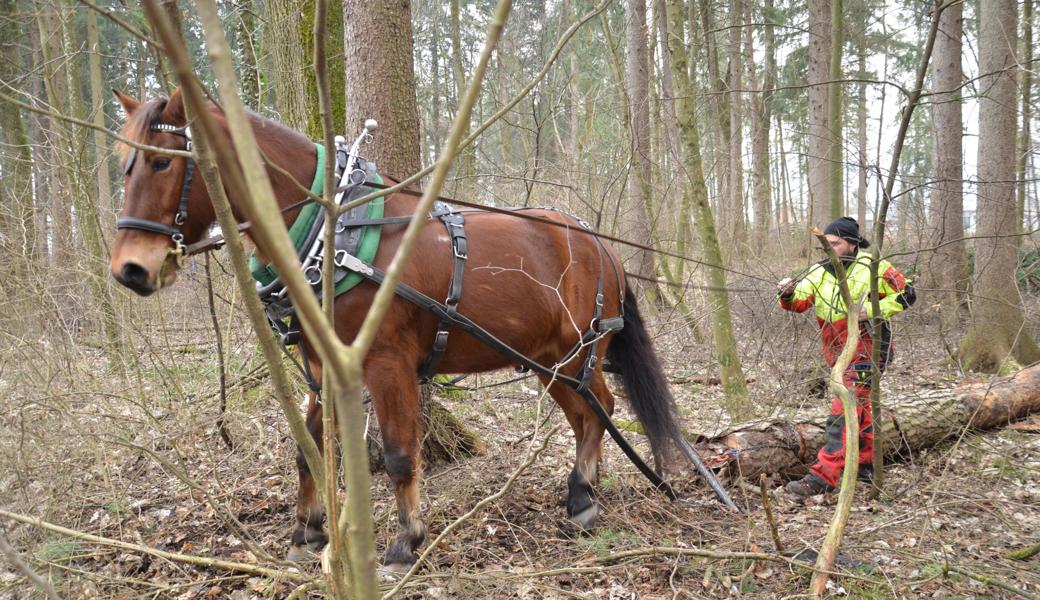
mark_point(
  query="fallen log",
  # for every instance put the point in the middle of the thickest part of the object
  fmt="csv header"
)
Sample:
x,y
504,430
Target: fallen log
x,y
910,423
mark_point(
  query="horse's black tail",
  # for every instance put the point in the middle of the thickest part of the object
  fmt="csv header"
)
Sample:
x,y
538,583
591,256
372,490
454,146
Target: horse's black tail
x,y
632,357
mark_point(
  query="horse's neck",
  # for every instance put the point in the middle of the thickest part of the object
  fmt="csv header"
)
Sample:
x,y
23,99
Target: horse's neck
x,y
292,163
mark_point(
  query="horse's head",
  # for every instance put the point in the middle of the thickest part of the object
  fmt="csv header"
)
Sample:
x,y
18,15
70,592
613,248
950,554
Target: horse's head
x,y
165,207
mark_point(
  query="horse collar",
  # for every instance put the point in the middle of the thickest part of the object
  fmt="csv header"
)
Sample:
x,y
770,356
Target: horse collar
x,y
181,216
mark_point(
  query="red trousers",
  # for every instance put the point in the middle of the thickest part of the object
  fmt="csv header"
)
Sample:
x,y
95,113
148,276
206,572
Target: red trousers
x,y
830,460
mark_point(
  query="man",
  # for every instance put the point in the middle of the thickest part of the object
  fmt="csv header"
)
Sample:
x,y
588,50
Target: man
x,y
819,288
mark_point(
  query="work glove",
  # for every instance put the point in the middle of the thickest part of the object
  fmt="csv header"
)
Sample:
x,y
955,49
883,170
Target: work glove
x,y
785,288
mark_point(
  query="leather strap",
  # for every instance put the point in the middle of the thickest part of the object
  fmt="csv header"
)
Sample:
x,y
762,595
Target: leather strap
x,y
454,222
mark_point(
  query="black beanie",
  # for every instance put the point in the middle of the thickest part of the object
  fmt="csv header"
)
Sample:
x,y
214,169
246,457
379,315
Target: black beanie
x,y
847,229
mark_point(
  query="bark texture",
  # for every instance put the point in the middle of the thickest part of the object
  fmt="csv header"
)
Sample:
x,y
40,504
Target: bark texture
x,y
282,40
819,130
948,265
378,45
761,115
997,336
637,84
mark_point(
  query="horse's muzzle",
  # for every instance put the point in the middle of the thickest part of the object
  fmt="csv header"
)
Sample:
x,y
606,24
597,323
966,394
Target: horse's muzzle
x,y
135,277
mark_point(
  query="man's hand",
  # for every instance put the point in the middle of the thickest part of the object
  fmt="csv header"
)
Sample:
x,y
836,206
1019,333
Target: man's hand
x,y
786,287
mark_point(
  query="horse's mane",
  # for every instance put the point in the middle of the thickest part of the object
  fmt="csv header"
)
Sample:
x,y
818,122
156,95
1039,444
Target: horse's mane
x,y
138,124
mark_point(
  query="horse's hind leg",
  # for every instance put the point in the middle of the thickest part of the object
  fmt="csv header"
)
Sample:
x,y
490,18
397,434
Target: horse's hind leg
x,y
395,398
582,508
308,535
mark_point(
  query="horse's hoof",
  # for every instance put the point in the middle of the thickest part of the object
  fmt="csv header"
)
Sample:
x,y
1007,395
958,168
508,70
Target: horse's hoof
x,y
585,520
307,551
300,554
393,572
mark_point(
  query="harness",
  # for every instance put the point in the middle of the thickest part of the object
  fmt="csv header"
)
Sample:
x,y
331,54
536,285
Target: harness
x,y
354,172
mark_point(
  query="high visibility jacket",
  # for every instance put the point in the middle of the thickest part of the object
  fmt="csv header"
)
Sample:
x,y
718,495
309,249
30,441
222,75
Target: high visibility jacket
x,y
819,289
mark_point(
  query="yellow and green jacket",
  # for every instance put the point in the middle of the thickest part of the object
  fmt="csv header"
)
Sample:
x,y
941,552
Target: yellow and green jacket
x,y
819,289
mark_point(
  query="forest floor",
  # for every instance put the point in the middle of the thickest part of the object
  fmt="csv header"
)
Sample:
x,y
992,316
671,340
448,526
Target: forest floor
x,y
137,458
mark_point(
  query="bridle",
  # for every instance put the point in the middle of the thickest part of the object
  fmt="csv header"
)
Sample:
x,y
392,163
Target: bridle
x,y
181,216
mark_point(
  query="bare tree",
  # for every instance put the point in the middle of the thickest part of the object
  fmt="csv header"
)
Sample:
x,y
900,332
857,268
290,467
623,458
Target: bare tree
x,y
1026,85
733,380
637,86
948,265
761,116
997,339
819,128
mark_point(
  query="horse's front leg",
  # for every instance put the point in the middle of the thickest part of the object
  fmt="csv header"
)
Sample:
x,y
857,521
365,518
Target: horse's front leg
x,y
395,398
308,536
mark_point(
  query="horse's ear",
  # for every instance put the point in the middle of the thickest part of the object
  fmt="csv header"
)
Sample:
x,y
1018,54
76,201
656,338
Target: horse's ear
x,y
174,111
129,104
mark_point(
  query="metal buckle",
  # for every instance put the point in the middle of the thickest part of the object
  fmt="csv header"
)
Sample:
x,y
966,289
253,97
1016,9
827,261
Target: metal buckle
x,y
350,262
441,341
178,248
455,251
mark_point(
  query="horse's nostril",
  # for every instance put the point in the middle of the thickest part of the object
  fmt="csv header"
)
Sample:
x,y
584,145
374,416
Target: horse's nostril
x,y
135,277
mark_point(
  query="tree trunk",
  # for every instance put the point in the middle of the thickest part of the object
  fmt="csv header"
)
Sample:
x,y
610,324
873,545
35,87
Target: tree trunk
x,y
733,380
637,86
334,61
948,264
247,53
861,136
281,36
1025,137
102,147
435,91
717,152
835,162
761,115
18,237
734,229
378,39
997,336
95,202
819,131
465,163
64,94
912,423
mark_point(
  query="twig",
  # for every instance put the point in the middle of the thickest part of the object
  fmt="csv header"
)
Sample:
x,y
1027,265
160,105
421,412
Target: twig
x,y
1024,553
90,125
221,424
769,515
199,561
879,240
712,554
218,508
829,550
39,580
991,581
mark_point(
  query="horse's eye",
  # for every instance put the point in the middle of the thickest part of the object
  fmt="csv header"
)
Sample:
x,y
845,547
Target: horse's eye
x,y
160,164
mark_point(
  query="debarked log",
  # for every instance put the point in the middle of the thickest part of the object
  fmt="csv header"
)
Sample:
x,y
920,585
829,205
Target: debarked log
x,y
910,423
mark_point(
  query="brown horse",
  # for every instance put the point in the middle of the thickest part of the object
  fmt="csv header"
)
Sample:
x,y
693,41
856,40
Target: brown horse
x,y
531,285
